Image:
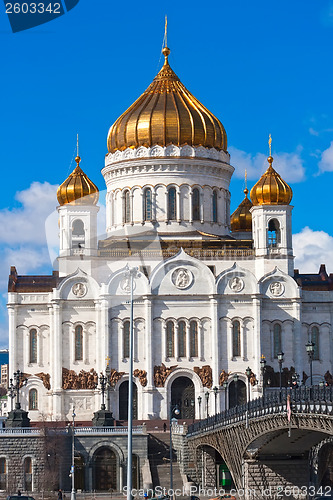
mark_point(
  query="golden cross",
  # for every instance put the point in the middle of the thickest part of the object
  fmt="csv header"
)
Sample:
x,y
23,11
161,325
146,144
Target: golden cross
x,y
245,179
77,144
166,32
107,359
270,145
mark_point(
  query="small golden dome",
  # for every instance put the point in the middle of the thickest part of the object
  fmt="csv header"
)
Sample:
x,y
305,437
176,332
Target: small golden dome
x,y
78,189
271,189
241,219
166,113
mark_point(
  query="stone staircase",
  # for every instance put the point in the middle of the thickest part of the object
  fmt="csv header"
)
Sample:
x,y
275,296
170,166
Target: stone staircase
x,y
159,459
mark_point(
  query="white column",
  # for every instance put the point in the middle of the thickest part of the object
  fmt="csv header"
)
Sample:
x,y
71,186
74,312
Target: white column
x,y
104,328
131,207
201,206
12,313
298,347
176,339
229,340
163,347
178,204
166,205
188,349
56,374
200,341
257,335
149,341
142,207
215,343
191,206
153,208
121,343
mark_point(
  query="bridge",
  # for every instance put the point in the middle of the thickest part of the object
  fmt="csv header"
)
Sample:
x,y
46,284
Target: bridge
x,y
279,445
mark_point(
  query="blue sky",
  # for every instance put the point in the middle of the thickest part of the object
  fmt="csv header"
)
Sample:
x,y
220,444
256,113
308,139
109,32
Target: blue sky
x,y
261,67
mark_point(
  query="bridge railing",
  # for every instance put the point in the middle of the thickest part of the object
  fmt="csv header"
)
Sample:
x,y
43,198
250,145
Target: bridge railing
x,y
303,399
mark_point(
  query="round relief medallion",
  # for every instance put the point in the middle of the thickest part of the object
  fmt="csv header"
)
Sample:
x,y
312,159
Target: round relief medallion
x,y
181,278
276,288
236,284
125,284
79,289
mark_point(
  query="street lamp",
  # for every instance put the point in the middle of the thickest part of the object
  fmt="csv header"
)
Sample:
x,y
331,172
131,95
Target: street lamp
x,y
130,274
73,494
207,399
225,387
215,391
248,373
174,411
199,403
263,368
280,361
310,350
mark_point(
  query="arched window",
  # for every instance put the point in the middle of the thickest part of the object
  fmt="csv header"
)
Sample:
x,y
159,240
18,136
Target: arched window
x,y
236,338
170,351
33,399
273,233
172,210
33,345
126,339
181,339
148,204
78,236
78,343
215,206
315,340
3,473
196,204
277,346
193,339
126,207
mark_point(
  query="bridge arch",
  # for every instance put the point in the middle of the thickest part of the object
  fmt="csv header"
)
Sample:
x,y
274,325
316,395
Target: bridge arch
x,y
211,468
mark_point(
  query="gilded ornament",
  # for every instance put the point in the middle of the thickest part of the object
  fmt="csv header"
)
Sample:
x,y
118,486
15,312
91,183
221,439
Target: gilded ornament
x,y
78,188
271,189
206,375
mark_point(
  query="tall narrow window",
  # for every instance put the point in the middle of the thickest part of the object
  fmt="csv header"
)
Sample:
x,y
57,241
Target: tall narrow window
x,y
196,204
273,233
277,339
172,212
33,346
148,204
33,399
78,343
3,473
236,338
181,339
315,340
126,207
170,352
28,474
126,339
215,206
193,339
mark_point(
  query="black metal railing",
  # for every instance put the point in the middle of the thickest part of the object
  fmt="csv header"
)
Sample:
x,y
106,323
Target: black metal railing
x,y
315,399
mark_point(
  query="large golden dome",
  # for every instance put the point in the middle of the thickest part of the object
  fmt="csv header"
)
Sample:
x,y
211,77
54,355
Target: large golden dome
x,y
166,113
271,189
241,219
78,188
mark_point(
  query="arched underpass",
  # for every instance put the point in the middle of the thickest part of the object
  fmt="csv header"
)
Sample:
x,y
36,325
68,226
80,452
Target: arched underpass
x,y
268,454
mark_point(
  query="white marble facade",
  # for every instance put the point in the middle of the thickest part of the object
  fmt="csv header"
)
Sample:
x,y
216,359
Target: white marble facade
x,y
210,290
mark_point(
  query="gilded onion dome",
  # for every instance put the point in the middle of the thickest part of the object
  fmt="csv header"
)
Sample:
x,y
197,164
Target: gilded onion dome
x,y
241,219
271,189
166,113
78,189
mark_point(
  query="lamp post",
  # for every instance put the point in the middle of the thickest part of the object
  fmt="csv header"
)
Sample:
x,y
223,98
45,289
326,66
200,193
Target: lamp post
x,y
215,391
207,400
103,382
199,403
310,350
73,494
248,373
108,385
11,393
174,411
263,368
225,387
193,410
280,361
130,274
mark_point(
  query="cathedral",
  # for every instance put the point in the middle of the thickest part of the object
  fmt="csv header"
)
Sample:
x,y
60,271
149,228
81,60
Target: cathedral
x,y
219,310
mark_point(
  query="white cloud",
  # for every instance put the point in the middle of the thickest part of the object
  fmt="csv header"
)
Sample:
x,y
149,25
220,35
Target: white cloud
x,y
288,165
311,249
26,224
326,162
